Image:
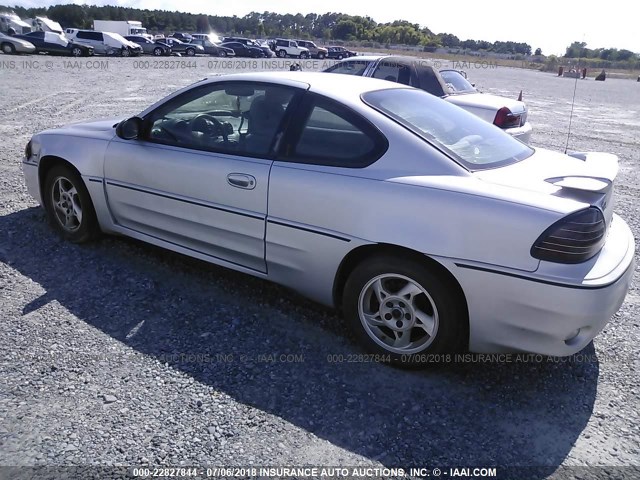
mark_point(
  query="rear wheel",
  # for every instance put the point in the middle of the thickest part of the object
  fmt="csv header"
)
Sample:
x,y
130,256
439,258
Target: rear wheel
x,y
68,205
8,48
402,310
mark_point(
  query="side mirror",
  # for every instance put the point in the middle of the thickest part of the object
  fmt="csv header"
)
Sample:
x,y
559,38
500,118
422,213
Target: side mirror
x,y
130,128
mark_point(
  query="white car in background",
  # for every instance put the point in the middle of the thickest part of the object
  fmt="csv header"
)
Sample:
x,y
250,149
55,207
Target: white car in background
x,y
104,43
506,113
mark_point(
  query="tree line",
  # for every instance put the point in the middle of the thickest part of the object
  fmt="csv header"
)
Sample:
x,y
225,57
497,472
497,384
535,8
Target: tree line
x,y
580,50
327,26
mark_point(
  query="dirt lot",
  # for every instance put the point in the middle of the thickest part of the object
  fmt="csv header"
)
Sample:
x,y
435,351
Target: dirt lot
x,y
121,354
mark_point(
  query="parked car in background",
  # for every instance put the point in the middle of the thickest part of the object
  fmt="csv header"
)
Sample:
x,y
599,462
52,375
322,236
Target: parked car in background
x,y
12,45
214,49
212,37
289,48
314,50
104,43
513,249
56,44
338,53
242,50
183,37
150,47
507,113
268,53
189,49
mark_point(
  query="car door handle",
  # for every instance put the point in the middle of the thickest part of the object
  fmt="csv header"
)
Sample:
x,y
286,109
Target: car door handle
x,y
242,180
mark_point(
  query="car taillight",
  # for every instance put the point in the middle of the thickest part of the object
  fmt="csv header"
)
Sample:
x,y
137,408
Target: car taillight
x,y
573,239
506,119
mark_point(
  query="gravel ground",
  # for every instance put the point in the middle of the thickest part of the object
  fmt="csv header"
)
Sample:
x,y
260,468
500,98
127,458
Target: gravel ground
x,y
118,353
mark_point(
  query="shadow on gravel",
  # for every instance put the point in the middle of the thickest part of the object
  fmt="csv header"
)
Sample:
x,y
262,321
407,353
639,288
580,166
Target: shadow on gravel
x,y
268,348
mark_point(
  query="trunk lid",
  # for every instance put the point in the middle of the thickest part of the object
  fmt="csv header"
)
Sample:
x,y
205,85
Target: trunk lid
x,y
585,177
486,100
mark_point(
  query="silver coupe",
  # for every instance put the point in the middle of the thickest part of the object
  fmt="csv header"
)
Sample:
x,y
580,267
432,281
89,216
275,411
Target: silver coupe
x,y
430,229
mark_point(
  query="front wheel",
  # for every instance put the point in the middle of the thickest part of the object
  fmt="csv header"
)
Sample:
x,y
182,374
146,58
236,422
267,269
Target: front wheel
x,y
402,310
223,53
303,55
68,205
158,51
126,52
190,52
8,48
321,56
76,51
282,53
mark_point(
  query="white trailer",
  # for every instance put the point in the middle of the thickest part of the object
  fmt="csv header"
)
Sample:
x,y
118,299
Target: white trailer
x,y
44,24
11,24
123,27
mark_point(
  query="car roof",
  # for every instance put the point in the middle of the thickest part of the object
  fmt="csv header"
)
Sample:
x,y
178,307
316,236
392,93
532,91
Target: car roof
x,y
345,89
374,57
341,87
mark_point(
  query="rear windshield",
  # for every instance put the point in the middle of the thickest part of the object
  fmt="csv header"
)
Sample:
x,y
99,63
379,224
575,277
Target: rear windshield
x,y
471,141
456,82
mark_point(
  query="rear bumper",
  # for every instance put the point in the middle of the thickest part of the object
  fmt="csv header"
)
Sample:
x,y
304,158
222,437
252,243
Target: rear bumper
x,y
522,133
556,310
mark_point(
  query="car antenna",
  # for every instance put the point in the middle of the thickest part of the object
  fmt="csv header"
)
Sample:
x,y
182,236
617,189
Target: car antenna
x,y
573,101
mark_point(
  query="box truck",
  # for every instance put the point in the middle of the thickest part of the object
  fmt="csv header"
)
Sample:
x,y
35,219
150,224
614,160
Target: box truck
x,y
123,27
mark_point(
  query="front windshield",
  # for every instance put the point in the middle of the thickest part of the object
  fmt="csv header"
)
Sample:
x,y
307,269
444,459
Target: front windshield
x,y
471,141
456,82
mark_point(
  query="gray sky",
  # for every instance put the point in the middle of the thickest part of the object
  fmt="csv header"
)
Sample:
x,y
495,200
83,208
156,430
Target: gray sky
x,y
549,24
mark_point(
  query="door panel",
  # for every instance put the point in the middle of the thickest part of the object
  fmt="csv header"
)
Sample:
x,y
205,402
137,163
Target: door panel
x,y
184,197
200,178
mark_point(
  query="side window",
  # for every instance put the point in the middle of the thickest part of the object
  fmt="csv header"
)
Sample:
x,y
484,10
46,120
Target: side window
x,y
351,67
90,36
395,72
238,118
336,136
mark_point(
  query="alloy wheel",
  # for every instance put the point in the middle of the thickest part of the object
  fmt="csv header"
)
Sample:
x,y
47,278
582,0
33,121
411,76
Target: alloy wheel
x,y
66,202
398,314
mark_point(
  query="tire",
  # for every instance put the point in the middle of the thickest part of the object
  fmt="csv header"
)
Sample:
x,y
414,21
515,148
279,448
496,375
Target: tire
x,y
8,48
427,316
68,205
190,52
340,57
223,53
126,52
304,55
76,52
158,52
321,56
282,53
